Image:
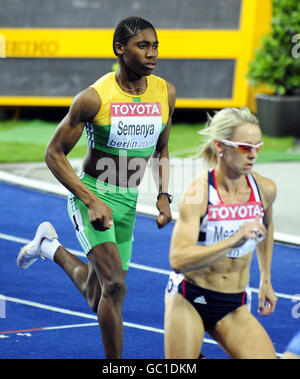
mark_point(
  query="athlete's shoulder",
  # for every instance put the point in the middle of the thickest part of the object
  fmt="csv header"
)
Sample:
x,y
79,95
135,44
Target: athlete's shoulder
x,y
196,192
266,186
85,105
156,78
163,82
171,90
103,80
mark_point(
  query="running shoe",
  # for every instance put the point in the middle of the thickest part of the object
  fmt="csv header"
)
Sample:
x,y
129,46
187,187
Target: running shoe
x,y
32,251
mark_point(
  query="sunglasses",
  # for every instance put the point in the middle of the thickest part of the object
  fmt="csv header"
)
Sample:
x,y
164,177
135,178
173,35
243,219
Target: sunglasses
x,y
244,148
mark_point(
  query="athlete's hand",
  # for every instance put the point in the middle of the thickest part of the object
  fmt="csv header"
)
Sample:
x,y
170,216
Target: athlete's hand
x,y
100,215
250,229
165,215
267,300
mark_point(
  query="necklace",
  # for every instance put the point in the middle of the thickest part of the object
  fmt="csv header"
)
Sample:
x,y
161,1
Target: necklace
x,y
129,89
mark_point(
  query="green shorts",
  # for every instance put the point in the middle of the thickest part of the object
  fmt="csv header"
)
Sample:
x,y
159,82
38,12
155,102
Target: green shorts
x,y
122,202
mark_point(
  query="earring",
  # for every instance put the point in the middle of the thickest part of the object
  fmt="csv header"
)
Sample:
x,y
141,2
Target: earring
x,y
221,155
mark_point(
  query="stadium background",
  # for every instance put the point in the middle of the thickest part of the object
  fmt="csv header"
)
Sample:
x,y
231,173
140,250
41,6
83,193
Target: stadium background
x,y
54,49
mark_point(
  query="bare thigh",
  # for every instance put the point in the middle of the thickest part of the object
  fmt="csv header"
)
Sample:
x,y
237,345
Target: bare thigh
x,y
243,337
184,330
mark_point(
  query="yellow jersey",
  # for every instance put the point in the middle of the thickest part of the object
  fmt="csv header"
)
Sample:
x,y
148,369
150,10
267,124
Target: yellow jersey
x,y
128,124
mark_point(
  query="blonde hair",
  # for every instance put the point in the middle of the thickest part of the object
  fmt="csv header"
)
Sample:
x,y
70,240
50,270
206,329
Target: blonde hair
x,y
222,126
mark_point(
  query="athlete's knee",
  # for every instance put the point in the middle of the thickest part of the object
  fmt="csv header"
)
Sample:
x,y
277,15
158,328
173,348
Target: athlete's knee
x,y
114,289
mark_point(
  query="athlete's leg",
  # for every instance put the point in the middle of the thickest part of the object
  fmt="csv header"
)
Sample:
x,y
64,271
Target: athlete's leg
x,y
101,282
107,264
45,244
243,337
184,330
82,275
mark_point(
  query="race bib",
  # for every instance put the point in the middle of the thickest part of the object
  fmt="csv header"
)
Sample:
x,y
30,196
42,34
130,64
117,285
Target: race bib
x,y
225,220
134,125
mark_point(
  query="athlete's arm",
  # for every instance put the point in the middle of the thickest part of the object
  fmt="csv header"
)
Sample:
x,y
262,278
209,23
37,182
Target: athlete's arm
x,y
185,254
264,250
162,153
83,108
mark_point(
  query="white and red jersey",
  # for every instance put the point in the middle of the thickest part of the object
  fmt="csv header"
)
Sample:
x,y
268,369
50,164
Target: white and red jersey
x,y
222,221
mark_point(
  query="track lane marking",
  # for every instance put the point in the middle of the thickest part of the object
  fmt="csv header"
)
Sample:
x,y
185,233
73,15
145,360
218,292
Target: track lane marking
x,y
137,266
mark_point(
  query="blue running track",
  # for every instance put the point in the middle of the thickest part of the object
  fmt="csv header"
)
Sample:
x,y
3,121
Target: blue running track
x,y
44,316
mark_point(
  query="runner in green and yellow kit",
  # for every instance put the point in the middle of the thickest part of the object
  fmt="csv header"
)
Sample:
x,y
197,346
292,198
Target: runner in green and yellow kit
x,y
127,117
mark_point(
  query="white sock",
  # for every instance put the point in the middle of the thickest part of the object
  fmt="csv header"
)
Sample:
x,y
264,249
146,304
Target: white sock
x,y
48,248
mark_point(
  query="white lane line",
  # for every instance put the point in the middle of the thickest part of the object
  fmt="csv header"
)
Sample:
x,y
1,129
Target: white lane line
x,y
133,265
60,190
57,327
80,314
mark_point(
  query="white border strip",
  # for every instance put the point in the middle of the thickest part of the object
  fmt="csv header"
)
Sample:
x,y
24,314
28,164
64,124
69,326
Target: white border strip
x,y
58,189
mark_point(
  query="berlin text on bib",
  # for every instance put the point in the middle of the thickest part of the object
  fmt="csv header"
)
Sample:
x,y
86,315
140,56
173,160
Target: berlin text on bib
x,y
134,125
